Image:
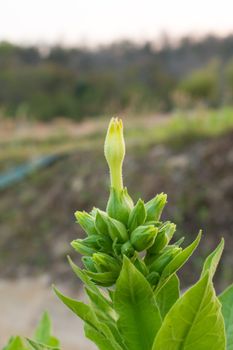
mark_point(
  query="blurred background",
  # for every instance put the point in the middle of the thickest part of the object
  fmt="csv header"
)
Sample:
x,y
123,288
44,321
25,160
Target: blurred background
x,y
65,68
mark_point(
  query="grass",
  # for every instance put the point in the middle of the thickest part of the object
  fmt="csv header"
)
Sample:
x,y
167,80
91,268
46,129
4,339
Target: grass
x,y
178,128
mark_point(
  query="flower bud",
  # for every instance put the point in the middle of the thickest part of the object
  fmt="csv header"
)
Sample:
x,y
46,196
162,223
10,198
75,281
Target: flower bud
x,y
119,205
141,266
117,230
165,234
127,249
105,279
87,222
143,237
81,247
105,263
155,207
105,244
114,150
101,222
116,247
137,216
88,263
164,258
153,278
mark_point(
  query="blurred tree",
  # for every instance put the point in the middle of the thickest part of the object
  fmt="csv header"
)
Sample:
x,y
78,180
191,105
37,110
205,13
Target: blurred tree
x,y
80,82
202,86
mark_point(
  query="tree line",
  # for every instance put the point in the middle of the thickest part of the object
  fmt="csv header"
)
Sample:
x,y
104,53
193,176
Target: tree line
x,y
44,83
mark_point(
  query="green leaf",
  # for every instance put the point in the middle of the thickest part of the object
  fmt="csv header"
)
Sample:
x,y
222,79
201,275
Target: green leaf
x,y
87,314
168,295
43,333
211,262
16,343
194,322
106,315
87,281
139,317
101,341
178,262
80,309
226,299
39,346
43,330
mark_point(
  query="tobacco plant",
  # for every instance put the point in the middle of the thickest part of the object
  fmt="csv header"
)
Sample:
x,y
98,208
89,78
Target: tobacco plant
x,y
130,264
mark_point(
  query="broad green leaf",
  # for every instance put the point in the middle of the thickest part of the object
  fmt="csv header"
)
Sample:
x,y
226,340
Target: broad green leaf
x,y
226,299
134,301
39,346
168,295
87,314
211,262
178,262
16,343
101,341
194,322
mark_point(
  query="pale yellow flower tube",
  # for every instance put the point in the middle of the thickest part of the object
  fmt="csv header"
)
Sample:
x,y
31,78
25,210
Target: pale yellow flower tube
x,y
114,150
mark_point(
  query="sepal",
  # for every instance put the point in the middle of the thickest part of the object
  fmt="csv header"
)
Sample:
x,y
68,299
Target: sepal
x,y
119,205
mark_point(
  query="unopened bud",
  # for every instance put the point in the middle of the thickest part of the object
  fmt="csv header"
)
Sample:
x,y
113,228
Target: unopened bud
x,y
82,248
105,244
143,237
153,278
119,205
165,234
137,216
86,221
105,279
114,150
117,230
127,249
141,266
101,222
155,207
164,258
105,263
88,263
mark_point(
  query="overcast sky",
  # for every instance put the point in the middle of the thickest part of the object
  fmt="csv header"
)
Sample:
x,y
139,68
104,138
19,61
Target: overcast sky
x,y
102,21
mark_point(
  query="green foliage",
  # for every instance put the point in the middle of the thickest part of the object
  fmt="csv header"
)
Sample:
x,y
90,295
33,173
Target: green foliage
x,y
202,85
226,299
130,278
80,82
43,333
42,340
135,304
142,308
194,322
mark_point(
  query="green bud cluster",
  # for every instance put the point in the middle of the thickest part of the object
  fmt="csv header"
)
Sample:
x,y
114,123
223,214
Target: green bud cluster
x,y
124,228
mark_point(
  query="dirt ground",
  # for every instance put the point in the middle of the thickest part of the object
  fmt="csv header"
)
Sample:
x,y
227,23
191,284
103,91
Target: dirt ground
x,y
22,302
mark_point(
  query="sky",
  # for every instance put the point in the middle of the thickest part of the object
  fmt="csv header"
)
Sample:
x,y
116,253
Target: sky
x,y
95,22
